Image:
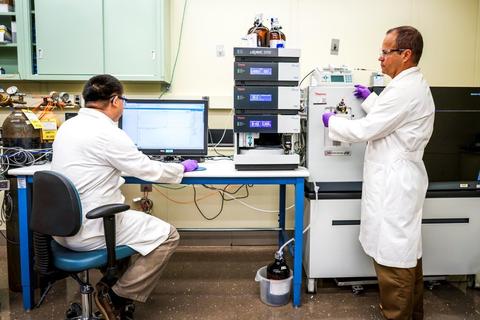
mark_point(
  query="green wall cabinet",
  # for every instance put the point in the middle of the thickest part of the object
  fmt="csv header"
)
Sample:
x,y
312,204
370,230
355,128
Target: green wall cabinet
x,y
135,39
69,37
76,39
12,51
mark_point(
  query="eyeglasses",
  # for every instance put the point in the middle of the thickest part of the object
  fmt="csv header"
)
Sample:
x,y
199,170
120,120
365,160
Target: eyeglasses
x,y
385,52
119,97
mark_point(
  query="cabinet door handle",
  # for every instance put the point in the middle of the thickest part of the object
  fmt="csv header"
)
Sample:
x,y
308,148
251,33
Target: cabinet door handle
x,y
154,55
40,53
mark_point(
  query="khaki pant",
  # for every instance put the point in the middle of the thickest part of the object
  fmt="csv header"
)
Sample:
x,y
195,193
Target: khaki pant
x,y
401,291
141,277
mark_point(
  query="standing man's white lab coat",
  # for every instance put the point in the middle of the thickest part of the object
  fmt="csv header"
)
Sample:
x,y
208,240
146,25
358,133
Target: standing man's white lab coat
x,y
93,152
398,125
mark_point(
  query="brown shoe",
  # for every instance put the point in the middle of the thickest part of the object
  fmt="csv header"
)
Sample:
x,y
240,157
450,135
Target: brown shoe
x,y
104,303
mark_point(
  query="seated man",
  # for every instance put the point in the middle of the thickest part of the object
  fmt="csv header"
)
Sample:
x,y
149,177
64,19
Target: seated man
x,y
93,152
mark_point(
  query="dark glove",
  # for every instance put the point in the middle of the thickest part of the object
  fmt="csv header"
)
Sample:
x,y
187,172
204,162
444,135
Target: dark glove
x,y
361,92
189,165
326,117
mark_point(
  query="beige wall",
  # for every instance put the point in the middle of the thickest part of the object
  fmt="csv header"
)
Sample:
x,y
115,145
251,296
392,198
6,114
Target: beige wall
x,y
449,27
451,31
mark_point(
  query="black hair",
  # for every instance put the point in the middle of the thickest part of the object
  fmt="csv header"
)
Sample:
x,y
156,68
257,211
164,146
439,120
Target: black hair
x,y
409,38
101,88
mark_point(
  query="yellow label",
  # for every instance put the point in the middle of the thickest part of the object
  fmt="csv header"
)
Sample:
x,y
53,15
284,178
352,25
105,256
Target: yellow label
x,y
32,117
49,129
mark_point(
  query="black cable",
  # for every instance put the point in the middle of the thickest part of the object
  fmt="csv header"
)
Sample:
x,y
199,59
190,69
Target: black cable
x,y
224,190
306,77
199,210
167,88
215,144
44,295
16,243
240,197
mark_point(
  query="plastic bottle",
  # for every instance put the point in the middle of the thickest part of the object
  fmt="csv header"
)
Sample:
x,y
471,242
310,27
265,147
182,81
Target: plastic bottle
x,y
260,30
276,36
278,270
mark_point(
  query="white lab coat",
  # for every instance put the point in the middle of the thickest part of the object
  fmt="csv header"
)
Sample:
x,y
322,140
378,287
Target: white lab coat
x,y
397,128
93,152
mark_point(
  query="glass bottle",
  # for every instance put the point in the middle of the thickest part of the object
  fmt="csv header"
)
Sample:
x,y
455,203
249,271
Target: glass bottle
x,y
260,30
276,36
278,269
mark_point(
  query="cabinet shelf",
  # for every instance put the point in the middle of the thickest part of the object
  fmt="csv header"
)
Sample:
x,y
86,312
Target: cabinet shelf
x,y
13,76
8,44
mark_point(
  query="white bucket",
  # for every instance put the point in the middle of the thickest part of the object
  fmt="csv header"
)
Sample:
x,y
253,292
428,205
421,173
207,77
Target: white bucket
x,y
273,292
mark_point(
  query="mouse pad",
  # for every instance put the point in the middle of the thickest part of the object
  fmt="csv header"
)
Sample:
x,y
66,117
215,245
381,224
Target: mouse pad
x,y
200,169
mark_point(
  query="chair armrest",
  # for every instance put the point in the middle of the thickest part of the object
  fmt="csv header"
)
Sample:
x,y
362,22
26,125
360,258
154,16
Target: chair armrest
x,y
107,210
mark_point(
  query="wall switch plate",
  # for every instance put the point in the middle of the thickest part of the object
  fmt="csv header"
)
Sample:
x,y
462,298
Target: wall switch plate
x,y
220,50
335,47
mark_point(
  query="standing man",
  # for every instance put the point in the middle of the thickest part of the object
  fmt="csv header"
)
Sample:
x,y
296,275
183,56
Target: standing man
x,y
397,127
93,152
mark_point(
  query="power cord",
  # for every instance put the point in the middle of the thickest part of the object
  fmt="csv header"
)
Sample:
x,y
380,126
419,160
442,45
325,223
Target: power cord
x,y
200,210
19,157
306,77
219,141
167,87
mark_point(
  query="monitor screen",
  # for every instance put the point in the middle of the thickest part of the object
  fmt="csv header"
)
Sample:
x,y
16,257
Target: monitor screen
x,y
167,127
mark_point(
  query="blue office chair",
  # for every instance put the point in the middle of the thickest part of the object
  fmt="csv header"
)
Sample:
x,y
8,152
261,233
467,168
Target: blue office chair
x,y
57,211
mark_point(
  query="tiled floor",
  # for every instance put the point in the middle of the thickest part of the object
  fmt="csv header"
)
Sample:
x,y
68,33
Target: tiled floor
x,y
218,283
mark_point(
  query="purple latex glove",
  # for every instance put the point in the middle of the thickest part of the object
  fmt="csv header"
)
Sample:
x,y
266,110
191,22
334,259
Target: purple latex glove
x,y
189,165
361,92
326,117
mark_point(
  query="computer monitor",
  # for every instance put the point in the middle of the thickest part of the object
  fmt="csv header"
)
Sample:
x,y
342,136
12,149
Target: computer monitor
x,y
167,127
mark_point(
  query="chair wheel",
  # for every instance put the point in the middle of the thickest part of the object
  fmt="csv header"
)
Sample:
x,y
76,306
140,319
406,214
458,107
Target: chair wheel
x,y
73,311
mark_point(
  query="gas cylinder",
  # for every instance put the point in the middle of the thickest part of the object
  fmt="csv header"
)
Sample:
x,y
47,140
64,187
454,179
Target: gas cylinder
x,y
18,132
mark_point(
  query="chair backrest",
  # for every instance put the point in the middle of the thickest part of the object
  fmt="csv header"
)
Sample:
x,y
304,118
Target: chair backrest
x,y
56,207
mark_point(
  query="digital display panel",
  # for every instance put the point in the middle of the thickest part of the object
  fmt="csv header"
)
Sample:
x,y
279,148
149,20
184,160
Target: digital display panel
x,y
261,71
337,78
260,97
260,123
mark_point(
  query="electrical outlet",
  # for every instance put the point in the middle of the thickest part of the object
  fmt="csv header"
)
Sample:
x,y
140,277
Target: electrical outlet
x,y
335,47
146,188
4,185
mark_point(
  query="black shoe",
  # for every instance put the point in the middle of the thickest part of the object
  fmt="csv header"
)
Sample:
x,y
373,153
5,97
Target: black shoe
x,y
128,310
